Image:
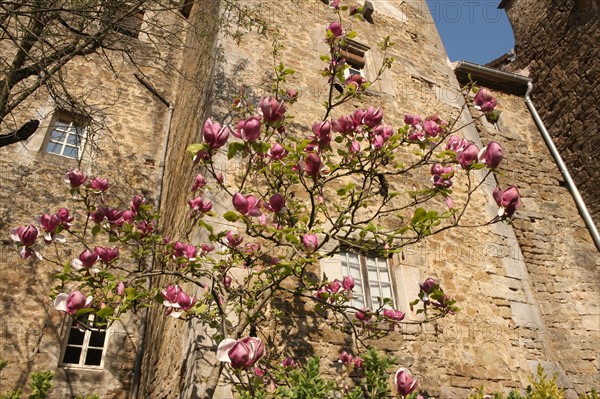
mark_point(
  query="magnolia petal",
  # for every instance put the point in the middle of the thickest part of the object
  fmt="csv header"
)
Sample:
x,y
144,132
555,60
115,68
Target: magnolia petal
x,y
60,303
76,264
223,349
175,314
60,238
88,301
14,234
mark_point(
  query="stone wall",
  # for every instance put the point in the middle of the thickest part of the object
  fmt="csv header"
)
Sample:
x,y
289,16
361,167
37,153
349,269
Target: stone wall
x,y
562,262
555,44
503,330
124,144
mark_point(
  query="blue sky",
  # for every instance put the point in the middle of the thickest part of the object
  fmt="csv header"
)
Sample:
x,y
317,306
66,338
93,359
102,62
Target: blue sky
x,y
472,30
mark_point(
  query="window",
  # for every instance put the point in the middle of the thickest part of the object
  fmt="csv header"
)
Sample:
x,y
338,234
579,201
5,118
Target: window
x,y
66,136
372,279
124,19
85,343
354,54
186,7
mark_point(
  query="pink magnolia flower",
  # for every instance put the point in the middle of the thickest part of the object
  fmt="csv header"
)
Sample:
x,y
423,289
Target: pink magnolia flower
x,y
247,205
312,164
428,285
233,239
456,144
214,135
273,111
241,353
176,301
99,214
348,283
492,154
484,100
129,216
345,358
405,383
26,235
198,205
356,81
354,147
336,29
65,219
395,315
509,200
227,281
358,362
372,117
364,315
120,288
288,362
412,119
85,260
441,175
75,178
343,125
99,184
277,151
199,182
71,303
431,128
292,93
310,242
467,156
248,129
107,254
322,131
136,202
276,203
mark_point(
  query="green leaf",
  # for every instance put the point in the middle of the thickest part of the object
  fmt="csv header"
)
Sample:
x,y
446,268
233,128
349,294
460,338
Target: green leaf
x,y
106,312
131,293
419,216
351,35
231,216
194,148
96,229
234,148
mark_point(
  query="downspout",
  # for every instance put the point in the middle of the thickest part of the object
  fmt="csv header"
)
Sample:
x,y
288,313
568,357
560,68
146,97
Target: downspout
x,y
587,218
139,355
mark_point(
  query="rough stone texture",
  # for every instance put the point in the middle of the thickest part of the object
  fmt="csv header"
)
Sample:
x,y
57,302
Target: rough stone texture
x,y
555,44
528,294
562,266
503,328
125,146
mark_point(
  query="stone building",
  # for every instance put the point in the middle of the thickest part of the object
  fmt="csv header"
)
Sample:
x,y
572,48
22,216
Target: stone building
x,y
552,48
528,291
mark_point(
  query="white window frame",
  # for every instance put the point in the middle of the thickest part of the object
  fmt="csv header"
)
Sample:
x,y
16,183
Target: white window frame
x,y
87,330
362,267
73,129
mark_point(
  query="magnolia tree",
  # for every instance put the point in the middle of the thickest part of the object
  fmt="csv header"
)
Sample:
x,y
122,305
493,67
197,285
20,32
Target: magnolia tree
x,y
298,199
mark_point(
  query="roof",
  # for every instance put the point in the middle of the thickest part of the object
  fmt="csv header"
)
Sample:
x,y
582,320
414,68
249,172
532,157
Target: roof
x,y
489,77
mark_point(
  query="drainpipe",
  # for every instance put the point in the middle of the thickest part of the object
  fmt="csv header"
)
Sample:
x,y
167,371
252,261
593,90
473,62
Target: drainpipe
x,y
563,169
137,368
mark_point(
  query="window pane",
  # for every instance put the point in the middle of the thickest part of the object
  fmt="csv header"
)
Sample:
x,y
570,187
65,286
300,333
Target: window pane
x,y
76,337
72,355
71,152
73,139
94,357
54,148
386,291
97,338
57,136
372,274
